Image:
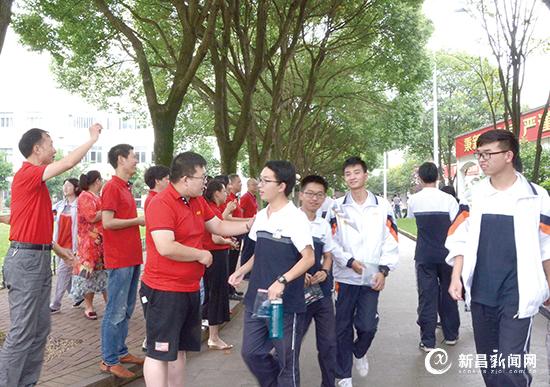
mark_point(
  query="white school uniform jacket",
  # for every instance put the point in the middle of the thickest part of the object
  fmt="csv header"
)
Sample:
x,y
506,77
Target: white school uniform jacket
x,y
366,233
531,214
58,209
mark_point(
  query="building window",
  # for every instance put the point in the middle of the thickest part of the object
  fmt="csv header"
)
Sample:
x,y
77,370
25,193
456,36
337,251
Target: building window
x,y
83,122
94,155
6,120
141,156
127,123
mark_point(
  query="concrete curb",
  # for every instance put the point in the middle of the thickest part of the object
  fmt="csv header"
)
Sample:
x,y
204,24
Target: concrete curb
x,y
408,235
108,380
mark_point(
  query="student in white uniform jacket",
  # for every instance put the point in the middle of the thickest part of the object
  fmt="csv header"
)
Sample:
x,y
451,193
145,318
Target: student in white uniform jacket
x,y
367,249
500,245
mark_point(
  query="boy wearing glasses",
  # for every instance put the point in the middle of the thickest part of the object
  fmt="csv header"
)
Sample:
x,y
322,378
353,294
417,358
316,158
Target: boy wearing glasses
x,y
283,252
367,238
434,211
500,245
313,190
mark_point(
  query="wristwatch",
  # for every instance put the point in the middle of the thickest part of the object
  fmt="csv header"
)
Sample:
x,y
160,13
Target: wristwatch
x,y
282,280
384,270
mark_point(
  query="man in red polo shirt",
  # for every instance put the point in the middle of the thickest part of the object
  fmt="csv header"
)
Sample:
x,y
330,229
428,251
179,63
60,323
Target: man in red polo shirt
x,y
156,178
176,221
248,202
27,272
123,259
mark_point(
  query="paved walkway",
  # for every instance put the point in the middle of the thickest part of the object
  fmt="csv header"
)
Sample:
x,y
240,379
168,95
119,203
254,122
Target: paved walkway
x,y
394,357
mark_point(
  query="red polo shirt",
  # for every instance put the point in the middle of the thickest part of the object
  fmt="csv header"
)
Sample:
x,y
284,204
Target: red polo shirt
x,y
148,199
31,219
186,220
208,244
122,247
249,205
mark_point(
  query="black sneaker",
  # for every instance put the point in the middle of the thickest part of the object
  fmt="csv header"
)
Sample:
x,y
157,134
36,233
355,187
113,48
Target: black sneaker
x,y
54,311
78,303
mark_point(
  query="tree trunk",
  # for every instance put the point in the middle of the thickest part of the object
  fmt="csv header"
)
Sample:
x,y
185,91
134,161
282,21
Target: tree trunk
x,y
163,150
536,166
5,18
229,156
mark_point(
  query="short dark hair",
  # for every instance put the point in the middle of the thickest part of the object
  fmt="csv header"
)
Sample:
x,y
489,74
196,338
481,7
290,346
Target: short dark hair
x,y
75,184
118,150
284,173
313,179
29,139
185,164
428,172
223,178
212,187
233,176
506,140
154,173
87,179
354,160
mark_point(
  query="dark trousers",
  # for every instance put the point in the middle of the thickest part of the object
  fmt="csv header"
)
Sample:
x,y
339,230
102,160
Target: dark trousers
x,y
232,259
356,306
498,333
216,298
322,312
281,370
432,281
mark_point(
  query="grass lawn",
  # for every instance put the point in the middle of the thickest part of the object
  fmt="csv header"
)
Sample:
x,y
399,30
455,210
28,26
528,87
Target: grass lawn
x,y
407,224
4,242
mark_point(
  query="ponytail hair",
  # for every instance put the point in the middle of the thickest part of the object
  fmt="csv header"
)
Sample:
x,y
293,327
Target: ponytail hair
x,y
87,179
212,187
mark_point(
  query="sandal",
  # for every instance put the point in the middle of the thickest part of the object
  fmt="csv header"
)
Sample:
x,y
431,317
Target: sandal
x,y
211,345
90,315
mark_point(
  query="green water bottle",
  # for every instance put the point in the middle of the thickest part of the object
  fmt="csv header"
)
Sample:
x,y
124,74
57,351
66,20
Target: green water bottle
x,y
276,320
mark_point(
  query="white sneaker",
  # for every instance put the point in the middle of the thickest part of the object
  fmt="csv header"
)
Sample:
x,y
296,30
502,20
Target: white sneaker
x,y
362,366
345,383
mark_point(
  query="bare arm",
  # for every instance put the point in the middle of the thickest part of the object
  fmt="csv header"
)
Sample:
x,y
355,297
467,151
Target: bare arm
x,y
168,247
236,278
73,158
455,289
112,223
229,228
5,219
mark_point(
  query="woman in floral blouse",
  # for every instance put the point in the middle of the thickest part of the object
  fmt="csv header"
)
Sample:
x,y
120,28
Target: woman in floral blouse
x,y
89,274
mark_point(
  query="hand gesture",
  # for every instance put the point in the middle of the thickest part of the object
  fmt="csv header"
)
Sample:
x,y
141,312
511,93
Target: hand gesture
x,y
95,130
319,277
307,280
231,205
378,282
357,267
205,258
235,279
141,220
455,289
275,290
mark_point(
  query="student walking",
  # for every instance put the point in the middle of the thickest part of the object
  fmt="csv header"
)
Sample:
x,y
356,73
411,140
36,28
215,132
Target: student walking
x,y
500,245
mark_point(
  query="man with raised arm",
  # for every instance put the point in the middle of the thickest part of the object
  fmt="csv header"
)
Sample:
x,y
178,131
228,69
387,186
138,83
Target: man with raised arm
x,y
27,271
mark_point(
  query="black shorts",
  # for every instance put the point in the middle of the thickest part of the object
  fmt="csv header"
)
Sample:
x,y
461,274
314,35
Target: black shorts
x,y
173,322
